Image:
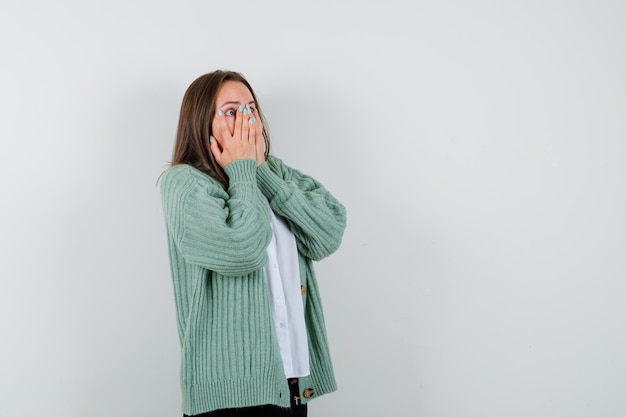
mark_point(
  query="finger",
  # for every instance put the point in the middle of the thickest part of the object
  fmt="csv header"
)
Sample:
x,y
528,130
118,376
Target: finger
x,y
260,149
251,121
247,132
256,129
217,152
238,122
220,128
254,120
258,125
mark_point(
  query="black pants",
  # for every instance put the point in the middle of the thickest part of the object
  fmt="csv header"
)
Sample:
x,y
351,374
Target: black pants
x,y
297,409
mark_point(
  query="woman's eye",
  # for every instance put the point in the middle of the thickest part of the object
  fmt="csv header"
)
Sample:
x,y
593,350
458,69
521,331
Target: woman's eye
x,y
229,112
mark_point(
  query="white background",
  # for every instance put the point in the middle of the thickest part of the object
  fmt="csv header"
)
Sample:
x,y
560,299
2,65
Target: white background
x,y
478,147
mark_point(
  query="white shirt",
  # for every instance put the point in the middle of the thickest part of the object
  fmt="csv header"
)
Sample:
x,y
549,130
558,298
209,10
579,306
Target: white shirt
x,y
282,274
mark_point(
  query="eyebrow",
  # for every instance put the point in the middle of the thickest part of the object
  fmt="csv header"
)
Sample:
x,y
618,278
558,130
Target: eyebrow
x,y
235,102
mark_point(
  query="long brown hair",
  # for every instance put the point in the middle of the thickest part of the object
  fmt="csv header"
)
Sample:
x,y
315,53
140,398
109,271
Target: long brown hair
x,y
196,120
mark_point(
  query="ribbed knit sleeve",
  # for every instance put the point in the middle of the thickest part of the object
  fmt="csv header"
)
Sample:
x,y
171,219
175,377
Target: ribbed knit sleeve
x,y
315,217
226,231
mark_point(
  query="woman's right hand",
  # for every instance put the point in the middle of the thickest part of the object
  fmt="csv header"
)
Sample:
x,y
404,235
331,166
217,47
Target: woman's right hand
x,y
239,143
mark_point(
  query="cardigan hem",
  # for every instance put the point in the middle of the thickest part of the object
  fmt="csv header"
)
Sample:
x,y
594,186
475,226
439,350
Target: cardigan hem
x,y
220,394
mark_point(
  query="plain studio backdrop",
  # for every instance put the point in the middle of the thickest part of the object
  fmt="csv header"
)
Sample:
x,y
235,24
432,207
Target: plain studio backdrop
x,y
478,146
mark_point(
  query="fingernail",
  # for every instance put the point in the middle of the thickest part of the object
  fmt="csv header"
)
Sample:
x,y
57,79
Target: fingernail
x,y
248,107
220,112
252,120
240,107
211,139
245,111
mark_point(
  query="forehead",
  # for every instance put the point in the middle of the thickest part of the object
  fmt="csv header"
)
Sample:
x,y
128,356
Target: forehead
x,y
233,91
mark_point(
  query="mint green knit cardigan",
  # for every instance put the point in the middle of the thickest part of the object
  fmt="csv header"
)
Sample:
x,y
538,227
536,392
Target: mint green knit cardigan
x,y
217,242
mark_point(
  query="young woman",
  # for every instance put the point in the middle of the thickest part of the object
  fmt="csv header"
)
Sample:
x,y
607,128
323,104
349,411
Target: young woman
x,y
243,229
